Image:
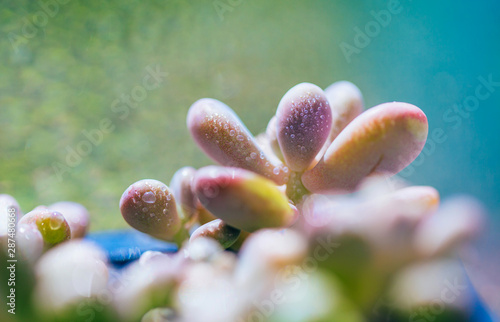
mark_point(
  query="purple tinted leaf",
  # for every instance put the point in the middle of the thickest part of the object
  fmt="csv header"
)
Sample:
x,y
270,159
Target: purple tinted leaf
x,y
304,120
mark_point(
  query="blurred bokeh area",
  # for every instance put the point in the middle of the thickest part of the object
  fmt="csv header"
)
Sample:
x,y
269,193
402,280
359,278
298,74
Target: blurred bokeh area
x,y
94,95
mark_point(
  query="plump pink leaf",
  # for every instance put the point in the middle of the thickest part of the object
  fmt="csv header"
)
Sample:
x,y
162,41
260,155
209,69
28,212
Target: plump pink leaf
x,y
242,198
221,135
303,123
149,206
382,140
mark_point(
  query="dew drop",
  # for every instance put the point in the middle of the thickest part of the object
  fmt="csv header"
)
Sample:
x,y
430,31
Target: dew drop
x,y
165,211
292,136
56,221
144,209
240,137
151,215
232,133
276,171
169,197
149,197
253,155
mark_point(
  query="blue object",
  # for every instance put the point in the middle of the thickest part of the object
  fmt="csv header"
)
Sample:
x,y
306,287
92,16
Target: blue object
x,y
124,246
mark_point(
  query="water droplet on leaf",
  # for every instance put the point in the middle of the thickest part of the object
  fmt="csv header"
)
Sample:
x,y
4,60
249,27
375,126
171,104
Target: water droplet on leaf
x,y
149,197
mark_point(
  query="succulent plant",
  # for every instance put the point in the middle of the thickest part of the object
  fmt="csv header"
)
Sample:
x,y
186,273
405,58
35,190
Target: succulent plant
x,y
318,227
52,225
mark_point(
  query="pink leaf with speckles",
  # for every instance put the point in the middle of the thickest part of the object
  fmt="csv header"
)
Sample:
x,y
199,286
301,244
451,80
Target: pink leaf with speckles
x,y
149,206
221,135
304,120
383,140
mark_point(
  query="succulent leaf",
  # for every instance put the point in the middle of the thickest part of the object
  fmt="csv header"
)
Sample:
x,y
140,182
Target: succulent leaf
x,y
218,230
180,185
460,219
149,206
242,198
303,124
346,102
273,139
382,140
221,135
51,224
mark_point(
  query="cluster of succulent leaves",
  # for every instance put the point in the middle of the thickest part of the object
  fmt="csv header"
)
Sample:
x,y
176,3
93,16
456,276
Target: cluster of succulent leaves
x,y
318,147
319,142
318,228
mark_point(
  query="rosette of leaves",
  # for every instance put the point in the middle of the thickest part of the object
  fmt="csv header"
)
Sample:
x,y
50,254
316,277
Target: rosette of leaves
x,y
318,142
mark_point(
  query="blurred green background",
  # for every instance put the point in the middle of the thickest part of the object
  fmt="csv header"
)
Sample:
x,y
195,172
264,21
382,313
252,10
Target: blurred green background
x,y
64,65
